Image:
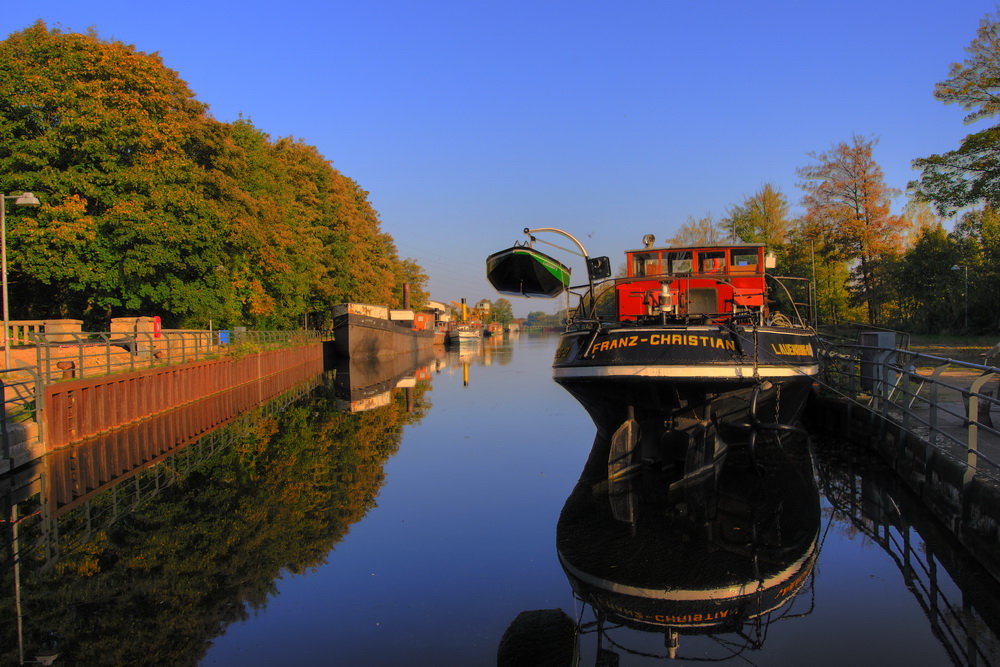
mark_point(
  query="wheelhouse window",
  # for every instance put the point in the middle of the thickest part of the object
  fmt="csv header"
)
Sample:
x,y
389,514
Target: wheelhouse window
x,y
678,262
646,264
712,262
744,260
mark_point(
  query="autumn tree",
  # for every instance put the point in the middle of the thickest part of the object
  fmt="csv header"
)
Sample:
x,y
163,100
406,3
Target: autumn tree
x,y
760,218
151,206
96,129
969,175
847,203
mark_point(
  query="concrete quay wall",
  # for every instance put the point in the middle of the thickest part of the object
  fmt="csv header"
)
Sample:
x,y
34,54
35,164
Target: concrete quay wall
x,y
968,506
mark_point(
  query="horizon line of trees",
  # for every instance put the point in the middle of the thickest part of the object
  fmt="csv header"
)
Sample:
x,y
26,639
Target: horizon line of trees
x,y
152,206
149,205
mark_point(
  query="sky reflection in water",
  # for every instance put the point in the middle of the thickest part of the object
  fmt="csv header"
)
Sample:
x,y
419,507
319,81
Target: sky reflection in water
x,y
461,538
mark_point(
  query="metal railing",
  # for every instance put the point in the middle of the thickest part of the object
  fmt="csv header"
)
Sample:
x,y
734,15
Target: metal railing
x,y
910,389
86,354
20,409
63,356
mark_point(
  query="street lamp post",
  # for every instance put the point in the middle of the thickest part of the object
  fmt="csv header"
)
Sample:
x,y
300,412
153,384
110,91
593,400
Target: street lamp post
x,y
23,199
956,268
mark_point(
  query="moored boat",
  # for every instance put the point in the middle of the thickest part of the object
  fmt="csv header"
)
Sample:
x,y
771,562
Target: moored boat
x,y
465,333
364,330
686,340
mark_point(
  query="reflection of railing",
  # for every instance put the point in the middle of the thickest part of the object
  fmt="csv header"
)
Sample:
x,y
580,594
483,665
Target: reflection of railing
x,y
954,415
965,627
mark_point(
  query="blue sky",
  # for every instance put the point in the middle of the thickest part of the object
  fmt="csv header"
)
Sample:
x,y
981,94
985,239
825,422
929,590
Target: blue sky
x,y
468,120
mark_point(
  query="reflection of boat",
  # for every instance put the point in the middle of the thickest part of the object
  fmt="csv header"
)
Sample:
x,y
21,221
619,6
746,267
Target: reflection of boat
x,y
687,337
724,556
364,383
363,330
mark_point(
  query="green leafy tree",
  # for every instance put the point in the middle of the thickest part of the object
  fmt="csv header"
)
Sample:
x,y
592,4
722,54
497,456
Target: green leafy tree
x,y
976,236
809,254
96,129
502,311
760,218
927,293
969,175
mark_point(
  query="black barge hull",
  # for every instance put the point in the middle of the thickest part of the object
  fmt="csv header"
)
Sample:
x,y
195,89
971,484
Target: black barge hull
x,y
359,335
736,377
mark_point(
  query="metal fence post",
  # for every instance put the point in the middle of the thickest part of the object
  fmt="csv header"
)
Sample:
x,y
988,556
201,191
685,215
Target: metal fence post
x,y
3,423
972,453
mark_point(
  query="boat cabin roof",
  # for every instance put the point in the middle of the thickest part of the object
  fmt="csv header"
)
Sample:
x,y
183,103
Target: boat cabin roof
x,y
717,258
700,246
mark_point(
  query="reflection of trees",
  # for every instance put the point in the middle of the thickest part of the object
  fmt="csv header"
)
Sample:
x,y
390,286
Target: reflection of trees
x,y
157,584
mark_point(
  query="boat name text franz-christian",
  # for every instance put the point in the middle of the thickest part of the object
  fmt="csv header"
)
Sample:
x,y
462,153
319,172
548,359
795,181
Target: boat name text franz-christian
x,y
672,619
664,339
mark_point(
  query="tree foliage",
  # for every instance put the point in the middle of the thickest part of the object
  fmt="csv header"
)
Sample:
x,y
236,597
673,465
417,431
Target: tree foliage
x,y
760,218
698,231
847,202
969,175
151,206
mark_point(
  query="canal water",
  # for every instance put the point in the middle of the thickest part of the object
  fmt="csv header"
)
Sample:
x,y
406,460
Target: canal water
x,y
447,517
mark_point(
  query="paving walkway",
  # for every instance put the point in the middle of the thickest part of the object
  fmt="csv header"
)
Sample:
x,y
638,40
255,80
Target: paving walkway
x,y
951,418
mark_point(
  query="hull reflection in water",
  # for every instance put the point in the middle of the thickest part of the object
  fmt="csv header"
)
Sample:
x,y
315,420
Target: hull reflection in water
x,y
364,383
724,556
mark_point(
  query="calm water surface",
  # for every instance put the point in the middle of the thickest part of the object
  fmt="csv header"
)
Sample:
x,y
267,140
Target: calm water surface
x,y
416,531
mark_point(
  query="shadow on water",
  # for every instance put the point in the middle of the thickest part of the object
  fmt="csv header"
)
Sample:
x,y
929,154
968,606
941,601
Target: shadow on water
x,y
705,570
142,547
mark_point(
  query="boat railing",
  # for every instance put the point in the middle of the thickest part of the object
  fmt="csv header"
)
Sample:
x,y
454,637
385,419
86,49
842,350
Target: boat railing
x,y
809,305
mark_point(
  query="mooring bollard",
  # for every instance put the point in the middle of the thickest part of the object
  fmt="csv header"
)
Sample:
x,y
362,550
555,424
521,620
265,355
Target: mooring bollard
x,y
68,369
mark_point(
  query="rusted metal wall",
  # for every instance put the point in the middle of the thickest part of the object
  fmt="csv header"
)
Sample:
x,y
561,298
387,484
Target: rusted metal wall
x,y
79,409
85,469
